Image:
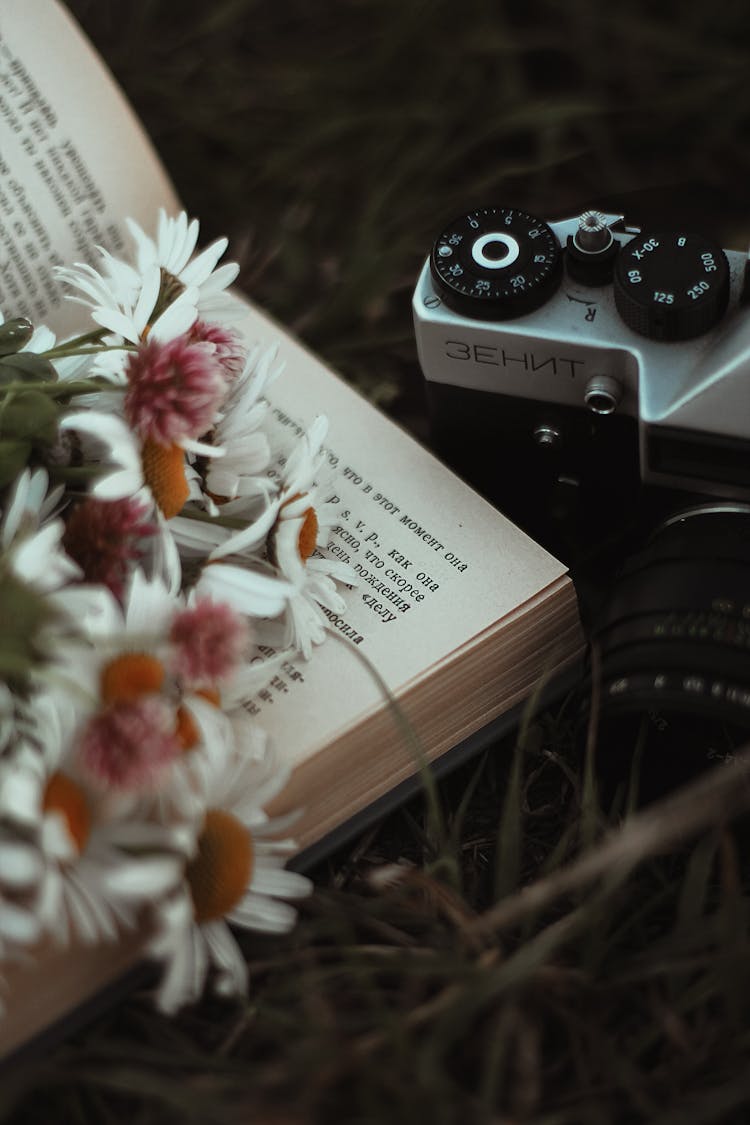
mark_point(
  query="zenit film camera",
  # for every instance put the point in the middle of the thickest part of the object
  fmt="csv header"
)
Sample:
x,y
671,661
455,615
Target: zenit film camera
x,y
593,379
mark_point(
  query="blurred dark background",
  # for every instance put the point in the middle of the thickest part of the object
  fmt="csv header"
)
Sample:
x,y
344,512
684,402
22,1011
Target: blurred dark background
x,y
331,142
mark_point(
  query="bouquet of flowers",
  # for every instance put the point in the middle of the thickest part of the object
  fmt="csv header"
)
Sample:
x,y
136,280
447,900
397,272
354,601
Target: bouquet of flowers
x,y
158,563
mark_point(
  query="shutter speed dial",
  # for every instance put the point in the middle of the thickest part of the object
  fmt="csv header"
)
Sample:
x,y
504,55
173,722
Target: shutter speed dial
x,y
496,263
671,285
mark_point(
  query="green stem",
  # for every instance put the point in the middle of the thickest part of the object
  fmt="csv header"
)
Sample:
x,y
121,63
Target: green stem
x,y
75,474
63,351
5,402
78,387
94,337
232,523
59,390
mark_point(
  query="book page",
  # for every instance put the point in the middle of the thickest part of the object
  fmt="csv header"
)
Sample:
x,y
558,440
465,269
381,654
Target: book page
x,y
436,565
74,161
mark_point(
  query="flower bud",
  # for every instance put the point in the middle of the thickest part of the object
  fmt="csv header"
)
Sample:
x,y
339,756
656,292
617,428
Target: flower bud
x,y
14,334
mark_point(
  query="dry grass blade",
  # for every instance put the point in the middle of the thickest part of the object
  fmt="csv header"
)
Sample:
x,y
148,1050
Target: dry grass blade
x,y
717,797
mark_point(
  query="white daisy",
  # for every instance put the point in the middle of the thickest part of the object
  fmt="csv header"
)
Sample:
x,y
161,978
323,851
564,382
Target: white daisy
x,y
161,297
212,725
235,876
172,252
241,475
31,553
30,534
147,431
305,514
152,680
286,533
111,683
290,514
108,445
127,305
252,592
305,624
21,862
238,537
29,501
93,893
72,870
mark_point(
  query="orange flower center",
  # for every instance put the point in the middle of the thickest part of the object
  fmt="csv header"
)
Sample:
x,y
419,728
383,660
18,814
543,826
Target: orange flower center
x,y
186,729
130,676
210,694
164,471
308,535
65,796
221,869
216,498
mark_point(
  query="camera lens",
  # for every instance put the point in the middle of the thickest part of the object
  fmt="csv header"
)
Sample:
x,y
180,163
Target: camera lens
x,y
671,651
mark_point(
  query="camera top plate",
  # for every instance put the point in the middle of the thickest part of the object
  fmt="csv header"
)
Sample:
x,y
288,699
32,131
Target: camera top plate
x,y
552,352
690,397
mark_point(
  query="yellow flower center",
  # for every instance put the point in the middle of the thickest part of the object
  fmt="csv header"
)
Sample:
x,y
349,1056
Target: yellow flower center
x,y
164,471
64,796
222,867
130,676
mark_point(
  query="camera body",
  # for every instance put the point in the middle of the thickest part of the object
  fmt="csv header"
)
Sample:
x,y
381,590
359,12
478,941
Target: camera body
x,y
593,380
568,364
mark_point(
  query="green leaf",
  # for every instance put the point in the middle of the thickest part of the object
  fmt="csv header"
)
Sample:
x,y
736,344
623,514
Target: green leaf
x,y
23,613
29,415
13,458
14,334
26,367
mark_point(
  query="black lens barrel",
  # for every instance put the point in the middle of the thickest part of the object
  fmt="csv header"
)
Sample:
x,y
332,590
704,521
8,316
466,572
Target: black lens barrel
x,y
673,649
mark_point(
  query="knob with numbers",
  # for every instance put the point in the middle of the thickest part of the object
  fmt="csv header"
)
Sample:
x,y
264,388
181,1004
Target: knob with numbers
x,y
496,263
671,285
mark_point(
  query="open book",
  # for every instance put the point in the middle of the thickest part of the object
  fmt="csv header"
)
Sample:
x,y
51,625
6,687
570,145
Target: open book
x,y
459,612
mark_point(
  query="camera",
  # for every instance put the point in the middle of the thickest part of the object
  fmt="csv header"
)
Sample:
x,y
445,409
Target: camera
x,y
593,380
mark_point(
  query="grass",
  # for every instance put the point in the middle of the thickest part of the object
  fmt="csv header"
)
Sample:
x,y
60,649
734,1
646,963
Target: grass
x,y
504,969
536,956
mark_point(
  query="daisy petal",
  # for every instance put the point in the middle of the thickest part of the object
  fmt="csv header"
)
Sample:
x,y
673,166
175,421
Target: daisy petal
x,y
256,912
17,925
226,957
256,595
203,265
146,879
